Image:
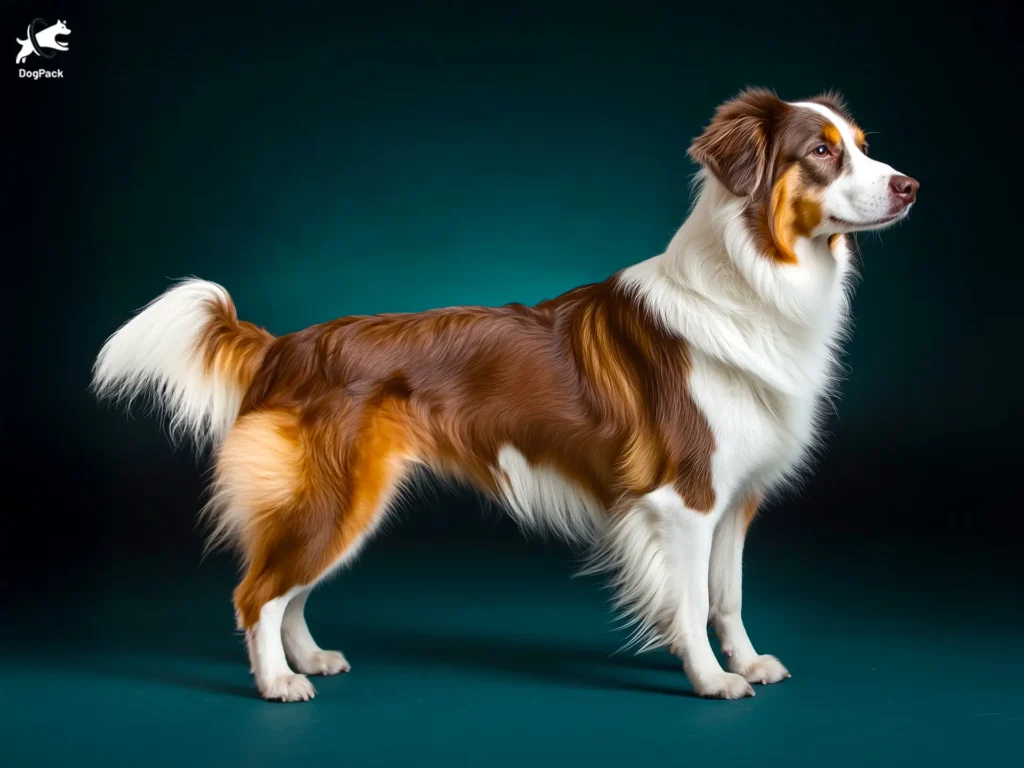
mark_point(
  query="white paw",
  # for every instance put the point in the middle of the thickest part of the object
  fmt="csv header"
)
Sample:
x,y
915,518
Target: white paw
x,y
288,688
723,685
323,663
761,669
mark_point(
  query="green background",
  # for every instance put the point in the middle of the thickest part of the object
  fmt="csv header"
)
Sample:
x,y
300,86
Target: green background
x,y
327,159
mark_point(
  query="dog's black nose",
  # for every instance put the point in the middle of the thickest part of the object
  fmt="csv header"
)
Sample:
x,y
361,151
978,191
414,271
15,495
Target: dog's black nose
x,y
904,188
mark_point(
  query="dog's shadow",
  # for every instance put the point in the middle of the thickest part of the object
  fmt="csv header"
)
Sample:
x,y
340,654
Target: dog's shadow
x,y
521,657
171,658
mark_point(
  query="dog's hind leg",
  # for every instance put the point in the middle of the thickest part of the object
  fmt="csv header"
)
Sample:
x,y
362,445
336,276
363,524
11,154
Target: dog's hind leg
x,y
299,646
299,507
274,677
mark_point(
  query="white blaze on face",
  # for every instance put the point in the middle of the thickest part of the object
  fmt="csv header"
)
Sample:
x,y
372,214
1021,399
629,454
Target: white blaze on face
x,y
861,198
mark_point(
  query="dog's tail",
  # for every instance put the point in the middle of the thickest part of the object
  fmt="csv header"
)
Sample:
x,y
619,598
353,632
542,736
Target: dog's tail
x,y
186,352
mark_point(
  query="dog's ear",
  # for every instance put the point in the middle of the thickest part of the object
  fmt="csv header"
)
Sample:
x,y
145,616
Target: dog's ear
x,y
735,145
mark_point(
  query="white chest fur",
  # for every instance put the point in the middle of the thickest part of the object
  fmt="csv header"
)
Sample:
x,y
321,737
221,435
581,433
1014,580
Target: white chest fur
x,y
761,435
763,337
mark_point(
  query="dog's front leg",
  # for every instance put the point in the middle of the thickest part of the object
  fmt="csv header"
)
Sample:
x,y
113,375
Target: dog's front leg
x,y
691,543
726,595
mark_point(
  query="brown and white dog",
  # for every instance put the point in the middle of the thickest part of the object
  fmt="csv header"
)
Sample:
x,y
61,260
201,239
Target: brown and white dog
x,y
646,416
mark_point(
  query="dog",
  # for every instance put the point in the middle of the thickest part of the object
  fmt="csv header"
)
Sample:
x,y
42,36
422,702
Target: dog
x,y
46,39
646,416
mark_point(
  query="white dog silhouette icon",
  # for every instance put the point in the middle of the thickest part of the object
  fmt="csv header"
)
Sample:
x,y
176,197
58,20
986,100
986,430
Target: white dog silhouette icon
x,y
37,41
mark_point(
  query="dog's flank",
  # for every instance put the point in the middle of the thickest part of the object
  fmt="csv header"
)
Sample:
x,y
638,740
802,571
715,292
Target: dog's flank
x,y
643,417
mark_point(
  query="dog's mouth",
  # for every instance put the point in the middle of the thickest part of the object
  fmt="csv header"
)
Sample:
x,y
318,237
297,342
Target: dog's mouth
x,y
885,220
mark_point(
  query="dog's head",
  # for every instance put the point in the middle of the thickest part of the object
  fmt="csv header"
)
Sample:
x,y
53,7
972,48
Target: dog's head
x,y
60,28
803,168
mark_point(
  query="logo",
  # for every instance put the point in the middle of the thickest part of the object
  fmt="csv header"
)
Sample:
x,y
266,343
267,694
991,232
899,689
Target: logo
x,y
42,41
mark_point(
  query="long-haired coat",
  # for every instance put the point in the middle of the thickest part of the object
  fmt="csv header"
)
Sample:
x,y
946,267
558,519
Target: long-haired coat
x,y
646,416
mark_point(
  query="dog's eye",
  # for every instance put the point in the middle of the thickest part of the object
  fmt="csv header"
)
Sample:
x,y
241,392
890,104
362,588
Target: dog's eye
x,y
864,147
821,150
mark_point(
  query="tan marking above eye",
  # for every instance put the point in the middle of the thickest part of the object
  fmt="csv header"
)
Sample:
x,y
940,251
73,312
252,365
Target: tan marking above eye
x,y
860,139
831,134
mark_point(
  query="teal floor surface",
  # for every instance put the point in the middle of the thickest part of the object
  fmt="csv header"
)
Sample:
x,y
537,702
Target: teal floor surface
x,y
496,657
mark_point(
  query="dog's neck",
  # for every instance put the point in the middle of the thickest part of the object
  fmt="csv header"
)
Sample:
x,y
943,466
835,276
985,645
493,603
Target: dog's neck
x,y
713,285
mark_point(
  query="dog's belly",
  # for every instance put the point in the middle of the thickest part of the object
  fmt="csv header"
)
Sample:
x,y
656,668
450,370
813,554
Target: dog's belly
x,y
540,497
